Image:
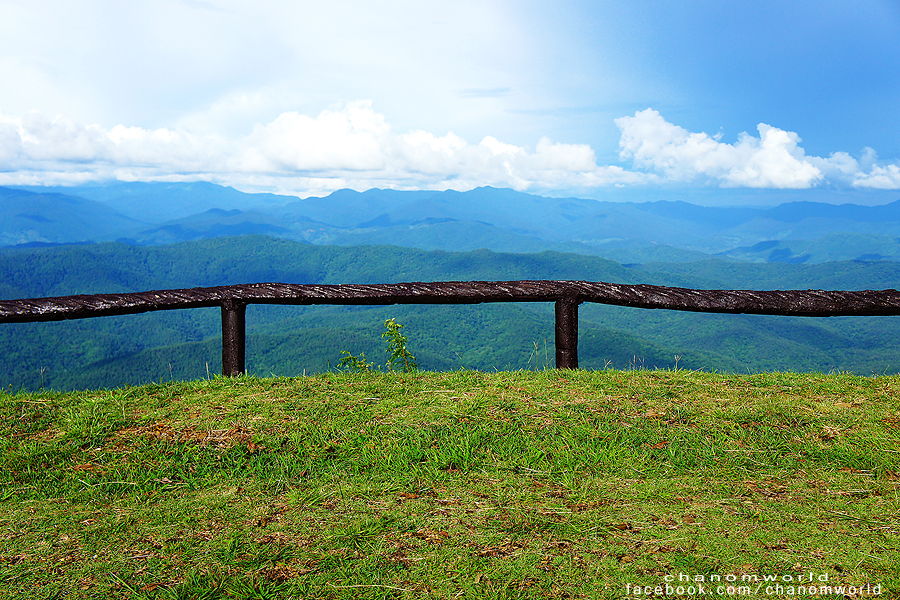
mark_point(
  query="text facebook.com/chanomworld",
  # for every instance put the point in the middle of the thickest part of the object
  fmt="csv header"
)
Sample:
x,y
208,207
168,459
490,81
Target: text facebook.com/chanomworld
x,y
751,584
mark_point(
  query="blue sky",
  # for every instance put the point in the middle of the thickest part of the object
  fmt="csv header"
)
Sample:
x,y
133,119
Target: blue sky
x,y
568,97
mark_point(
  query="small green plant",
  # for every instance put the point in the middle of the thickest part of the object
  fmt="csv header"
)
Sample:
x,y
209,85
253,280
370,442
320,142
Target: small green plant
x,y
397,348
355,364
398,354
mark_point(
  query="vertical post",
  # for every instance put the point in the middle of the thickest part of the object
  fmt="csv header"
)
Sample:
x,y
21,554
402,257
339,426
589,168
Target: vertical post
x,y
567,332
233,320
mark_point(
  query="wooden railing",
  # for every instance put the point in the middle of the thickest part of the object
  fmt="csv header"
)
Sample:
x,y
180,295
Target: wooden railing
x,y
567,295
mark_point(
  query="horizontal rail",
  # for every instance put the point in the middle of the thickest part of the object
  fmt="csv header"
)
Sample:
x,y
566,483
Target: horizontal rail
x,y
806,303
567,295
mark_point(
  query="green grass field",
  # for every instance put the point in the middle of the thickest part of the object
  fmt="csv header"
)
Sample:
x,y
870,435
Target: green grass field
x,y
551,484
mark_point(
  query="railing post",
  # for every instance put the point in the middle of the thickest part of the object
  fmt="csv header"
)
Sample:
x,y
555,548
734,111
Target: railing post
x,y
567,332
233,321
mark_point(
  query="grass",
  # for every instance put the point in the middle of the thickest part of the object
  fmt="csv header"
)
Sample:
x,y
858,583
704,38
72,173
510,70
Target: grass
x,y
578,484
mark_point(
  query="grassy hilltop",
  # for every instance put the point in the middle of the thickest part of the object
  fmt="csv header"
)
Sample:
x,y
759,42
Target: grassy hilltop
x,y
459,484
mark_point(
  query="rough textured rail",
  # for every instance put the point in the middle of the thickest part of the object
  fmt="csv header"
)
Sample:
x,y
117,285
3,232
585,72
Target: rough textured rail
x,y
566,294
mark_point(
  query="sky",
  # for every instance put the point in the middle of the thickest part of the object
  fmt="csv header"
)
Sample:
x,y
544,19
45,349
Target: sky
x,y
568,97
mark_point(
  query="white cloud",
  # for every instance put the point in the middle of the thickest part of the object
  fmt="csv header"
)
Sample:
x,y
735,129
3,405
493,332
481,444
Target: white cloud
x,y
349,146
353,138
355,146
839,166
552,156
883,178
772,160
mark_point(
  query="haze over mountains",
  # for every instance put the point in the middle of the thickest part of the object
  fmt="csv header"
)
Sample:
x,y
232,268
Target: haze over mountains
x,y
803,231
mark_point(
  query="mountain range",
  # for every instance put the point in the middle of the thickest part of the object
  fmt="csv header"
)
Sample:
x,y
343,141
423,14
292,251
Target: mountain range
x,y
501,220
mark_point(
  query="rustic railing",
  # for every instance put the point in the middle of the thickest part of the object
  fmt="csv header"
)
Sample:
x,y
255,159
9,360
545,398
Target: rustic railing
x,y
567,295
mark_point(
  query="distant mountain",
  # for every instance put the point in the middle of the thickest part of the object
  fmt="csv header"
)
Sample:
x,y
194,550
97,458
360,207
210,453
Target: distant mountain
x,y
159,202
496,219
28,218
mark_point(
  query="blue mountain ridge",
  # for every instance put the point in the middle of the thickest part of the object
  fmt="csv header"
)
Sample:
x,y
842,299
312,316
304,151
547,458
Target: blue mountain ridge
x,y
498,219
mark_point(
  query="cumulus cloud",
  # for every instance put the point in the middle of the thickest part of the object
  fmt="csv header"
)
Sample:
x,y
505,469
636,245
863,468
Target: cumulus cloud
x,y
884,178
772,160
354,146
351,139
351,146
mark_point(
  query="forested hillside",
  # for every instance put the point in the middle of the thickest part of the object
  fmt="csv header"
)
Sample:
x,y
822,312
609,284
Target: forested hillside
x,y
113,351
